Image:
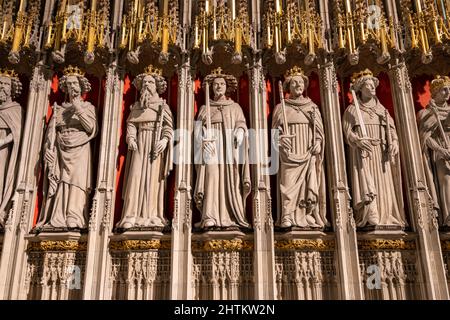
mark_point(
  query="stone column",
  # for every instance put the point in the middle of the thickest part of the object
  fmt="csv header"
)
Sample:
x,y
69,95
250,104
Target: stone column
x,y
181,256
20,218
264,253
342,214
102,213
423,220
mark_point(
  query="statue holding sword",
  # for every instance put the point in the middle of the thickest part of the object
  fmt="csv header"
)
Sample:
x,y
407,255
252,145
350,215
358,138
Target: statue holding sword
x,y
373,155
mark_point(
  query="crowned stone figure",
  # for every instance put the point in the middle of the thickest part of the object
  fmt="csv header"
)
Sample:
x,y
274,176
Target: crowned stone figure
x,y
370,132
11,123
149,159
301,178
67,156
434,131
223,175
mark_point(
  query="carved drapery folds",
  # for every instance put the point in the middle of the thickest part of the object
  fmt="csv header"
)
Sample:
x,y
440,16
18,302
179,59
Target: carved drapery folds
x,y
434,134
11,127
222,164
373,154
301,177
149,160
67,145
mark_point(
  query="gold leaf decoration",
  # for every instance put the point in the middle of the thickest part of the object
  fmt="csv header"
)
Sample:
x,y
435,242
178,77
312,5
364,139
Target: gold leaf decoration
x,y
305,244
222,245
126,245
383,244
60,245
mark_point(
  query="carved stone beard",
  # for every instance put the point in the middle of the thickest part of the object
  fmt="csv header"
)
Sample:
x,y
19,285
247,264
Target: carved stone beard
x,y
3,96
146,98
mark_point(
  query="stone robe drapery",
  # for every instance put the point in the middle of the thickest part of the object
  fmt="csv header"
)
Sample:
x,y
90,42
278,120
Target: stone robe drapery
x,y
69,180
145,178
301,179
434,164
223,182
11,117
376,181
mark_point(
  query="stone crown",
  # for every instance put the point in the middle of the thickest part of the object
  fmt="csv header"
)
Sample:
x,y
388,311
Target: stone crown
x,y
153,71
364,73
294,71
73,71
8,73
439,82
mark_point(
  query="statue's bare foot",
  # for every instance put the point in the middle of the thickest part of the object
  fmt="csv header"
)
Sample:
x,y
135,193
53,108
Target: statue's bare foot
x,y
209,223
71,223
286,223
311,221
127,225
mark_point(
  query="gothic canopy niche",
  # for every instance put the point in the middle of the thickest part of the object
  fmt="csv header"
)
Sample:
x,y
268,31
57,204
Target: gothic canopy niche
x,y
223,25
150,27
19,30
292,27
365,28
427,28
77,28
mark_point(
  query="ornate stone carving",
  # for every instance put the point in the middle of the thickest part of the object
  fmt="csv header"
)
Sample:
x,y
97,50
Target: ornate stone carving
x,y
223,171
127,245
149,159
140,275
305,244
70,132
55,275
61,245
11,123
93,216
397,275
223,275
374,159
222,245
304,275
301,177
434,131
384,244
